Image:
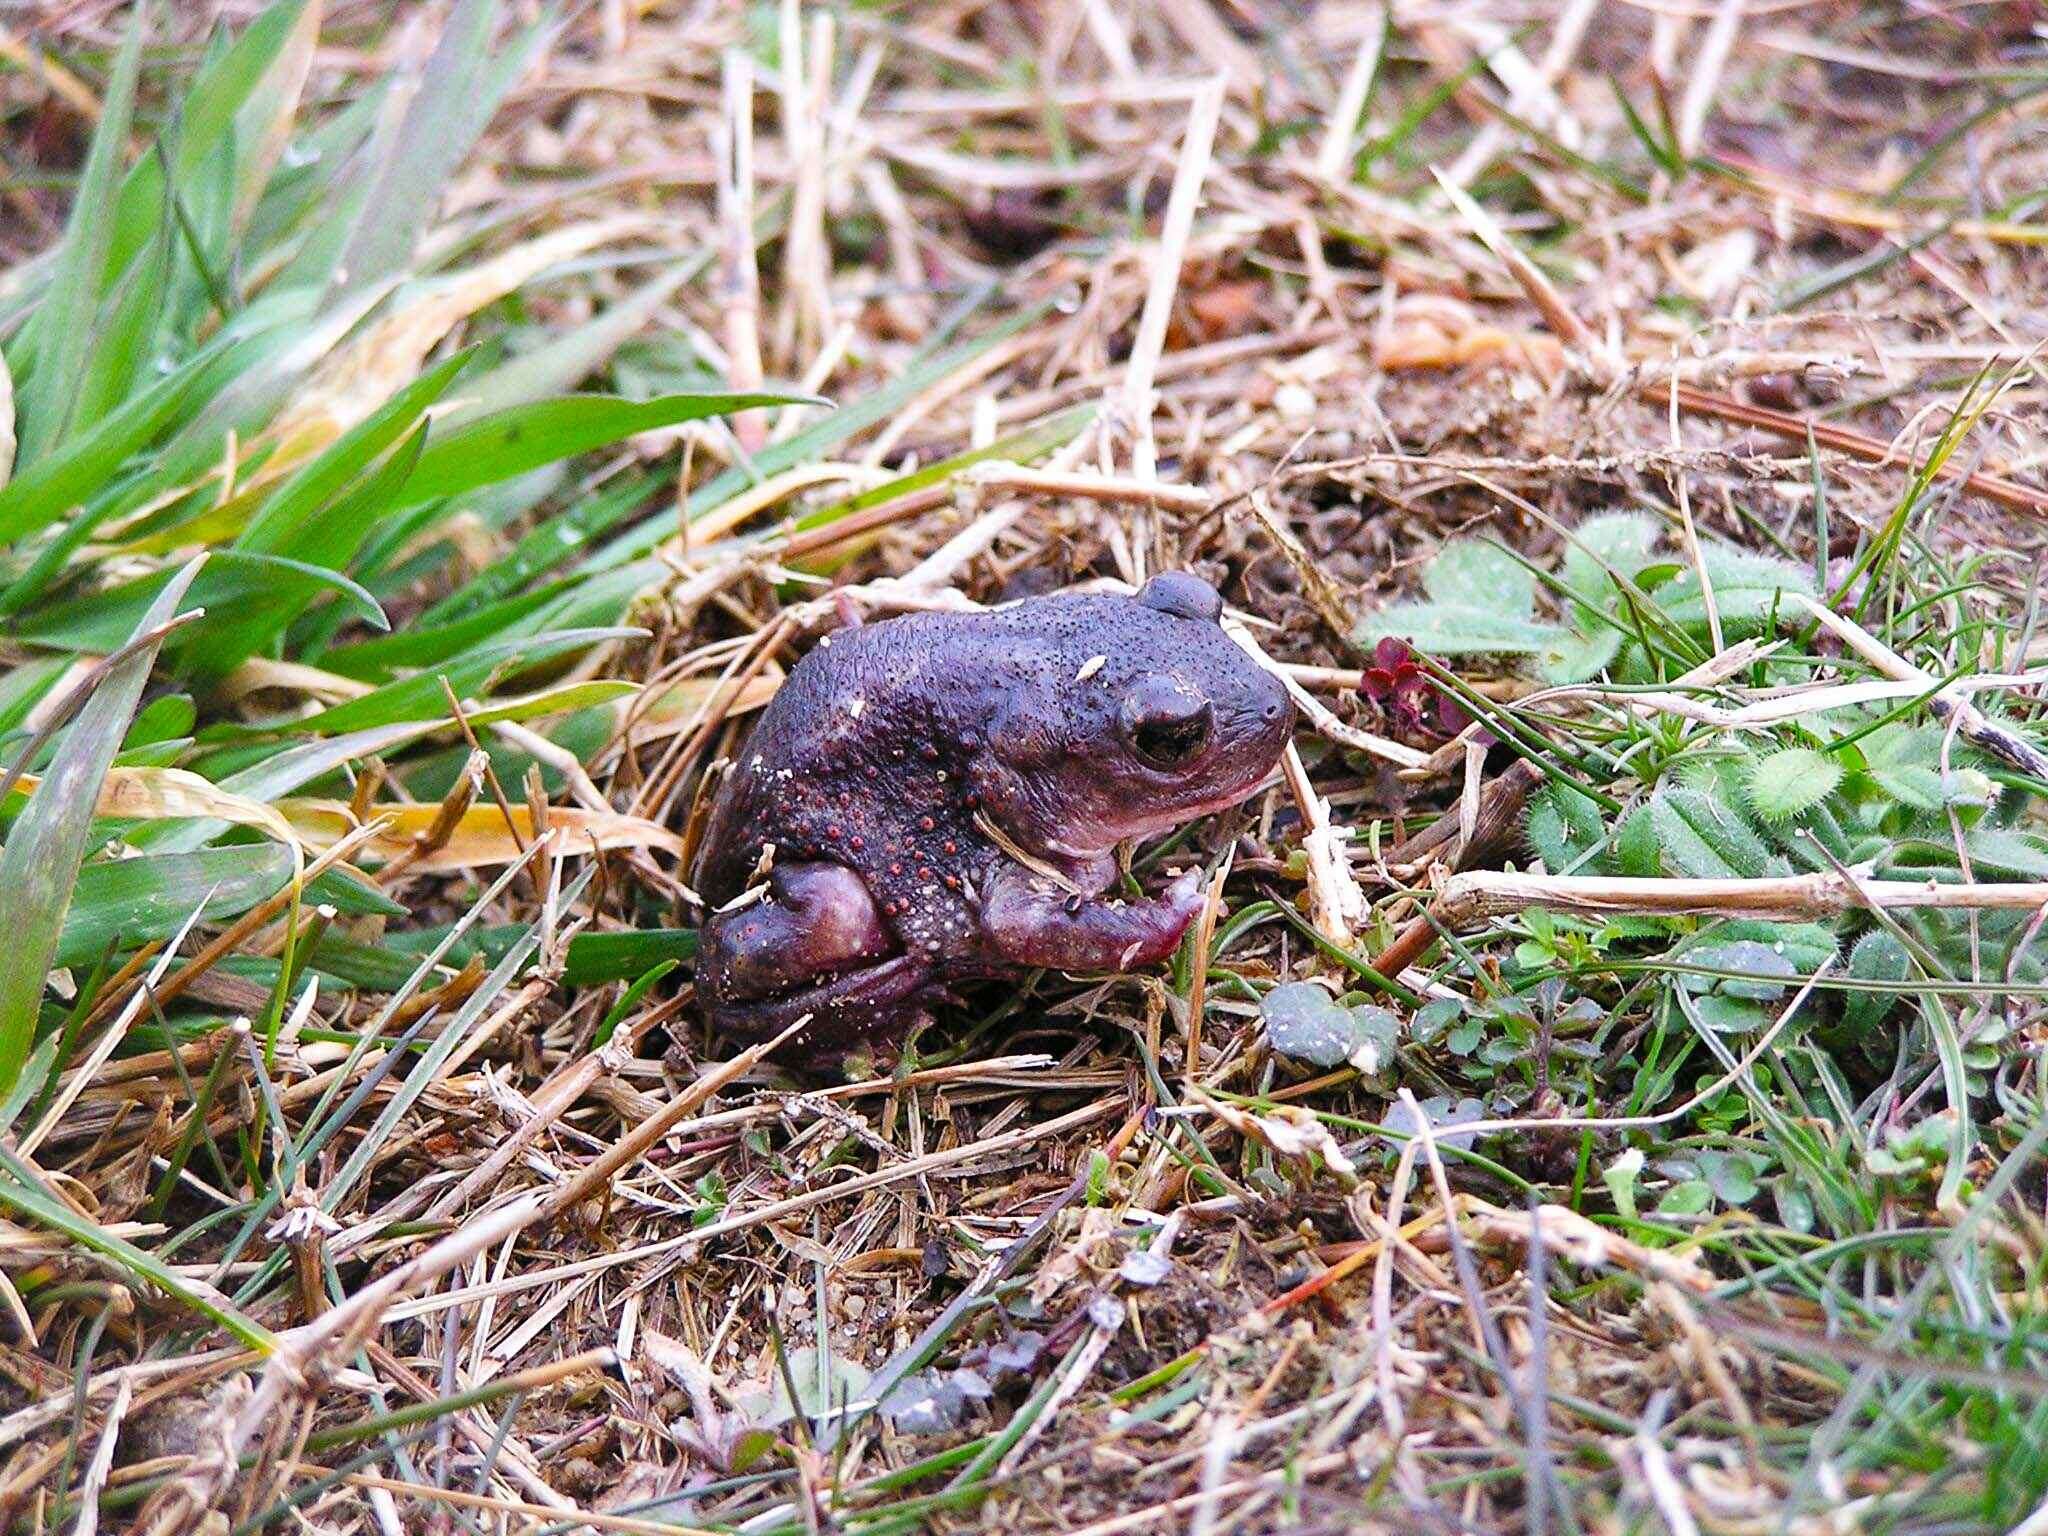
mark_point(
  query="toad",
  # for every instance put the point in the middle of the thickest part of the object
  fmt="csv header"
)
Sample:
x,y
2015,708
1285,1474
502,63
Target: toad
x,y
938,798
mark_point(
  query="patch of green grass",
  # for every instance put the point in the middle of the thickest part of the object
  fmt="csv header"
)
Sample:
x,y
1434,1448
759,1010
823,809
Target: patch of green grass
x,y
252,394
1898,1101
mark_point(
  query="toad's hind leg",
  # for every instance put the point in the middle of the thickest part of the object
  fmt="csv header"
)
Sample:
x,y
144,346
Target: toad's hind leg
x,y
814,921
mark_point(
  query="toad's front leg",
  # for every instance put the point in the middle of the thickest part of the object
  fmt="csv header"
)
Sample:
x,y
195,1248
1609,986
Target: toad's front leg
x,y
1029,923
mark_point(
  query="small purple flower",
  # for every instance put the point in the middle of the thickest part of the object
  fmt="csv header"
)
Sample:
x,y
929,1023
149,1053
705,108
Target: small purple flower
x,y
1409,699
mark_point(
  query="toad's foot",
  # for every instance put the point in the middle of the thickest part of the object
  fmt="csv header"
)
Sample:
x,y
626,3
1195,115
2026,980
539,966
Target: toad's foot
x,y
1030,924
814,921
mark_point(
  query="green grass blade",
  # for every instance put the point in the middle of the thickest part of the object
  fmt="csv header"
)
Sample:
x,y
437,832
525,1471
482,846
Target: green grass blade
x,y
550,543
263,124
815,441
561,364
64,323
1664,155
268,590
68,476
39,865
294,336
305,200
237,588
458,92
23,686
129,333
6,423
217,91
285,524
132,901
419,645
20,1192
508,443
424,697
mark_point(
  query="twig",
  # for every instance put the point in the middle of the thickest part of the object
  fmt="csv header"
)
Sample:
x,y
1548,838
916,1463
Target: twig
x,y
1204,112
1337,905
1475,896
1340,128
1999,740
1799,429
1705,79
644,1135
739,278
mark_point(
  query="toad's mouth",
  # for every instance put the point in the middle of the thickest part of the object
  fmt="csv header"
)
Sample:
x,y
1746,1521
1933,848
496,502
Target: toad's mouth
x,y
1082,871
1090,844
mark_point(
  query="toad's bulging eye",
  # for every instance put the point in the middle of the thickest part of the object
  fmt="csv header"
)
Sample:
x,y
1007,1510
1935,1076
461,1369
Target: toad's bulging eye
x,y
1170,743
1165,727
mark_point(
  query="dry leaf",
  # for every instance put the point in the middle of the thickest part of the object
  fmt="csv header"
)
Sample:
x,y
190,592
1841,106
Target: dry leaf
x,y
169,794
1098,1223
481,836
682,706
1431,331
261,673
1227,308
1288,1129
680,1364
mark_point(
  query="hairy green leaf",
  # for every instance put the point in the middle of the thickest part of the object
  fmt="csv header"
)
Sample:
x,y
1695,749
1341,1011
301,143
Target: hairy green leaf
x,y
1749,589
1791,782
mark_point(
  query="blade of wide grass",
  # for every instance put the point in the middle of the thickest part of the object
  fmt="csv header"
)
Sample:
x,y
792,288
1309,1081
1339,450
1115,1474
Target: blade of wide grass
x,y
69,476
6,424
504,444
814,442
427,645
293,335
426,696
237,588
550,543
459,90
263,124
287,523
560,364
61,335
129,335
22,687
219,89
132,901
39,865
